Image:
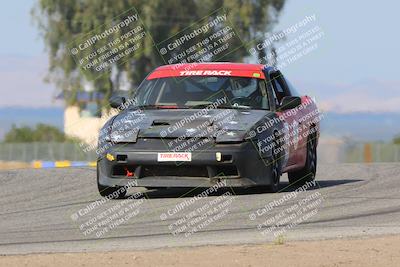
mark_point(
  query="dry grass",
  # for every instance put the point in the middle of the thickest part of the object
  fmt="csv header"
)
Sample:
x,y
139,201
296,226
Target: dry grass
x,y
8,165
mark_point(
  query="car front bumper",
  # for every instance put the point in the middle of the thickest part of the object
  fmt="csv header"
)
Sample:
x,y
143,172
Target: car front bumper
x,y
240,166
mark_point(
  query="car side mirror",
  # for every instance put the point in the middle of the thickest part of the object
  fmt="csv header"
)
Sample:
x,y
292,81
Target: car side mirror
x,y
116,101
290,102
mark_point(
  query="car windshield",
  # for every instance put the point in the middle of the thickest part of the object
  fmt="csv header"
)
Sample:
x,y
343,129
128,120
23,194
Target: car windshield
x,y
200,91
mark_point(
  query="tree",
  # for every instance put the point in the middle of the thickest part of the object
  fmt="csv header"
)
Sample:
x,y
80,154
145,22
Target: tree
x,y
40,133
396,140
64,22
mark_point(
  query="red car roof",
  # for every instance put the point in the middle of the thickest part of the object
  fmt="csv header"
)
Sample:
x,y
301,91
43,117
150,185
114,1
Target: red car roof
x,y
209,69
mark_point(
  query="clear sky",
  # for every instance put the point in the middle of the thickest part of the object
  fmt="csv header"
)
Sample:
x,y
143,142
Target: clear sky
x,y
354,68
361,39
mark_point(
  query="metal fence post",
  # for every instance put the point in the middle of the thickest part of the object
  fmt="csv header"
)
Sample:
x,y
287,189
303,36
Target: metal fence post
x,y
378,152
367,153
10,152
24,152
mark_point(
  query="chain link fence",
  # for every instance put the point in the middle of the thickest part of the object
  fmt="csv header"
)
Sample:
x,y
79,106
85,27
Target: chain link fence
x,y
27,152
371,152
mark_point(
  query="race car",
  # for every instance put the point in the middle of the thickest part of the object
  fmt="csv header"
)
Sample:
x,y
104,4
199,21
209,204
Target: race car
x,y
202,124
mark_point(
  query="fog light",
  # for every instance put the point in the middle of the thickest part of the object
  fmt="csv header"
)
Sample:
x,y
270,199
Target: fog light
x,y
218,156
110,157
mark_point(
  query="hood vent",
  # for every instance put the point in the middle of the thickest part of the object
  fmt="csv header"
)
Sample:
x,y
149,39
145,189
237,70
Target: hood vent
x,y
160,123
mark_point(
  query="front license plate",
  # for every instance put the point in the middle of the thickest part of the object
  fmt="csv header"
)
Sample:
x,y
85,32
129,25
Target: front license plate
x,y
174,157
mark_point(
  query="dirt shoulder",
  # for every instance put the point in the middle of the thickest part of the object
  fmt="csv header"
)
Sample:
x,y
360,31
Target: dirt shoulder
x,y
11,165
380,251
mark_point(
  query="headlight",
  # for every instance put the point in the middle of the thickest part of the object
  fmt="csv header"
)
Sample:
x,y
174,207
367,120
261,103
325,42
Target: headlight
x,y
126,136
230,136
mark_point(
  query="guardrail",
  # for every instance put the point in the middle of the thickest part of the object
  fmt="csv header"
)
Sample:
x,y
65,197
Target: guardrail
x,y
62,164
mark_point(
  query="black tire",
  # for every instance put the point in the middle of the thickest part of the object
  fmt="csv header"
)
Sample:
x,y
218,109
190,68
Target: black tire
x,y
110,192
307,174
275,167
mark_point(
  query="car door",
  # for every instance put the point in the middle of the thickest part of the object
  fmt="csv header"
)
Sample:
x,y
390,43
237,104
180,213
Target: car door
x,y
291,117
304,117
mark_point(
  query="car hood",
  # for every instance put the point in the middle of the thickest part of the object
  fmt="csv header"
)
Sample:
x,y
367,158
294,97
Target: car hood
x,y
231,124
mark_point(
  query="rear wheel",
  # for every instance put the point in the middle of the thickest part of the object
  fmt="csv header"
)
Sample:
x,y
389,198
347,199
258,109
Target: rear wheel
x,y
307,174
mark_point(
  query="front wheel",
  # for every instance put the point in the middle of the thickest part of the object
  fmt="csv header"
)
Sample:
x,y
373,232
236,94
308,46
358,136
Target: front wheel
x,y
307,174
275,167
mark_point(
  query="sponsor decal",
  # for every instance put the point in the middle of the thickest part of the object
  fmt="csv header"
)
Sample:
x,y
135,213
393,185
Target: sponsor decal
x,y
206,72
174,157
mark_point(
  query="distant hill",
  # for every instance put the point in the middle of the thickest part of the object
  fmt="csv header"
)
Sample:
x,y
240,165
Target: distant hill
x,y
362,126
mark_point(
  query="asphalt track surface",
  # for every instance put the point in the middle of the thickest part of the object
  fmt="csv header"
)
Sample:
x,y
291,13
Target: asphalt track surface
x,y
44,211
